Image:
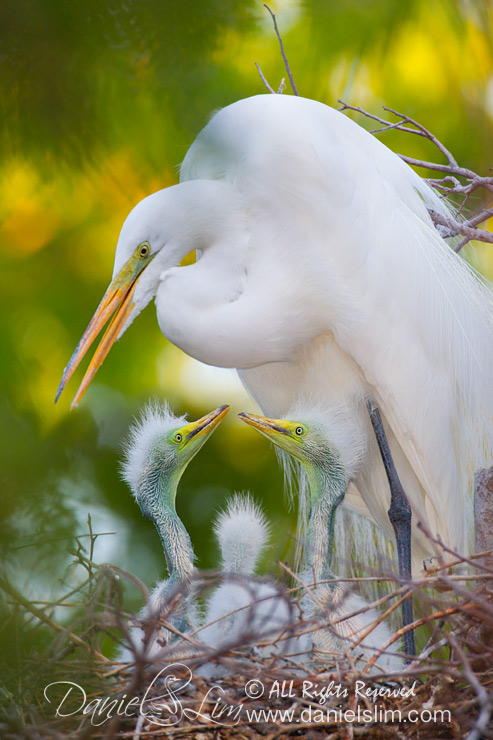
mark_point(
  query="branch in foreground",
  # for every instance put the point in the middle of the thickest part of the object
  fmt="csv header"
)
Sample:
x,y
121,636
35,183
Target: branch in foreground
x,y
483,513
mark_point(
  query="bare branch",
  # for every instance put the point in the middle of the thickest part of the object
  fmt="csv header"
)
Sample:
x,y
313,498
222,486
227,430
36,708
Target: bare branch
x,y
424,132
264,80
484,700
453,173
452,227
39,614
286,63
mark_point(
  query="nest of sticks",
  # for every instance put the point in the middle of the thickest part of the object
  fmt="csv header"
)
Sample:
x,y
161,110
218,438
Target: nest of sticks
x,y
446,691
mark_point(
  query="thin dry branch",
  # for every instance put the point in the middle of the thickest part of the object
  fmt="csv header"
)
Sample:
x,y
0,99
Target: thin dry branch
x,y
460,618
262,77
451,183
43,617
456,684
285,59
485,701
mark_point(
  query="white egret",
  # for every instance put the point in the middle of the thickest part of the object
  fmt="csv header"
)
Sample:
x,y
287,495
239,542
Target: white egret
x,y
331,453
319,272
158,452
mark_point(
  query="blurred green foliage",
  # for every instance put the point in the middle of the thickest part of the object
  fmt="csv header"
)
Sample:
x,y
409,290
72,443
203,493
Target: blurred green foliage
x,y
98,104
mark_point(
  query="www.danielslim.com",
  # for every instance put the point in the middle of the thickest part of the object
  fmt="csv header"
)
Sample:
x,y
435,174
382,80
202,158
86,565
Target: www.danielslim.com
x,y
162,703
361,715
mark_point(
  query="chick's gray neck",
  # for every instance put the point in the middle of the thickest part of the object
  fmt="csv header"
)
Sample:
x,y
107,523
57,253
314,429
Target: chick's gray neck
x,y
327,488
175,539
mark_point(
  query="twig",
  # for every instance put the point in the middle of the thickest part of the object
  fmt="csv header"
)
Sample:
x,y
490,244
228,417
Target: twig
x,y
264,80
447,185
51,540
6,586
452,227
484,700
286,63
467,675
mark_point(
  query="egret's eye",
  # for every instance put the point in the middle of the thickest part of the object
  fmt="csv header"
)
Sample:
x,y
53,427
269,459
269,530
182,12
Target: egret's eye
x,y
299,431
178,437
144,250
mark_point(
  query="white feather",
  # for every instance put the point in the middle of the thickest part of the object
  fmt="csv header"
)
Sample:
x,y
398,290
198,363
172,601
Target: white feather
x,y
344,218
157,419
321,269
349,616
243,608
242,532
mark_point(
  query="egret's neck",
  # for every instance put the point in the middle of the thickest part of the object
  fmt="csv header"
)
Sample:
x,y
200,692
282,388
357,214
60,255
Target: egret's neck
x,y
327,489
176,541
208,217
209,220
235,307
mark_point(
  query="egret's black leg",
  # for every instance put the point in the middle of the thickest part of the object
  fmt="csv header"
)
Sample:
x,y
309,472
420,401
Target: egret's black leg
x,y
400,517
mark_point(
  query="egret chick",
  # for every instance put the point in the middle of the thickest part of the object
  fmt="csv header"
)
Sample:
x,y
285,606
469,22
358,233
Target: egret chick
x,y
243,608
330,450
160,447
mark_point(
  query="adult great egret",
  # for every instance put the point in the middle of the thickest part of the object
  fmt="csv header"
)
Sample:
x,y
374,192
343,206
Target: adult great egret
x,y
320,276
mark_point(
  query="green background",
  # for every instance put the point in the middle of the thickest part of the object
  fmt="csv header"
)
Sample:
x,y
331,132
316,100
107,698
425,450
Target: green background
x,y
99,102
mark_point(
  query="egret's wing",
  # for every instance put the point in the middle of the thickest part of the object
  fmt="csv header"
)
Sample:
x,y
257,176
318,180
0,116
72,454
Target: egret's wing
x,y
354,501
349,218
420,328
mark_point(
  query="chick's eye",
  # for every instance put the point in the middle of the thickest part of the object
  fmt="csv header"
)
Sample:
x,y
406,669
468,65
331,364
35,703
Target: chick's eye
x,y
178,437
144,250
299,431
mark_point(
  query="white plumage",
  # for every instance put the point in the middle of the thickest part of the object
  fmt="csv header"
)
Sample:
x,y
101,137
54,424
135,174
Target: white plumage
x,y
145,441
243,609
242,532
320,271
159,448
333,605
351,278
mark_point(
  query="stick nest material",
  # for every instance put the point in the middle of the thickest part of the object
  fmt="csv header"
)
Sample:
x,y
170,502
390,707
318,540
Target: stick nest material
x,y
445,692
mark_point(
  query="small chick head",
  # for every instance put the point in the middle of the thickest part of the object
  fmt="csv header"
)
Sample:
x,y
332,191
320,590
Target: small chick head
x,y
319,438
159,448
242,532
